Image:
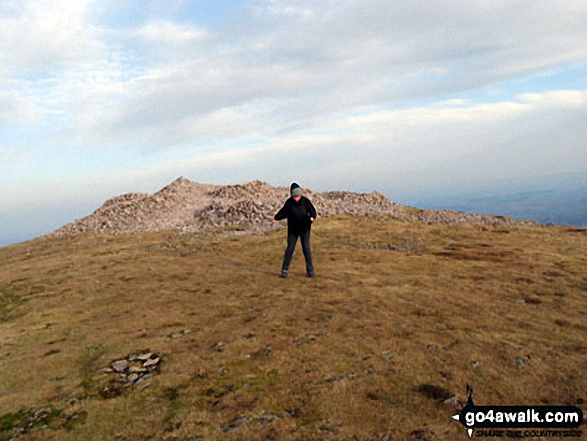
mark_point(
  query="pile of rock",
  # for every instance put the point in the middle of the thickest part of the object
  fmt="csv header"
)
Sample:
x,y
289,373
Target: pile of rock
x,y
135,369
191,207
249,206
453,217
256,190
245,213
173,207
12,426
335,202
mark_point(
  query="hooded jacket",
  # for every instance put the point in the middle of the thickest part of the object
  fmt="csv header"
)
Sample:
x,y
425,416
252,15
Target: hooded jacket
x,y
298,213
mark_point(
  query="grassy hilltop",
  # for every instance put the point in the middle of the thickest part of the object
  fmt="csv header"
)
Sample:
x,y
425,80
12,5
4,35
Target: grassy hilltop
x,y
400,317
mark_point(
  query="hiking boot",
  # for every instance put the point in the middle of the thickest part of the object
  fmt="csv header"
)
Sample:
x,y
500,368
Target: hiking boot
x,y
283,274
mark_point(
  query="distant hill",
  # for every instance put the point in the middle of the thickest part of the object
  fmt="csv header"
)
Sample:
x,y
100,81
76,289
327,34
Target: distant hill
x,y
558,199
568,207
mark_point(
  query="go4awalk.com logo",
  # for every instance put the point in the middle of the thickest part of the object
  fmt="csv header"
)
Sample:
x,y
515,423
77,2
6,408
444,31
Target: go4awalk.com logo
x,y
520,421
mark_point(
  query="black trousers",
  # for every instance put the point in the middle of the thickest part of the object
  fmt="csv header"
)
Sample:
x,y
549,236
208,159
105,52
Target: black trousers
x,y
292,239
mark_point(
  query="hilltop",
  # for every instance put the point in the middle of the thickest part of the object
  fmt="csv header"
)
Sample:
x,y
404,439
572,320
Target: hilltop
x,y
194,207
176,335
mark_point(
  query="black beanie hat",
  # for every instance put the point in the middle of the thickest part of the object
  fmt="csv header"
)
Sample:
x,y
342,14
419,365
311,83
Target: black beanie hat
x,y
292,187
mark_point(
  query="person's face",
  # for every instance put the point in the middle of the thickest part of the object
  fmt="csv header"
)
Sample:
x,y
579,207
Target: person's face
x,y
297,198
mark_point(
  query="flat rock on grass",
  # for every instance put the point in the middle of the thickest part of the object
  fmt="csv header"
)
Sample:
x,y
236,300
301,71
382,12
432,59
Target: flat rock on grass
x,y
133,370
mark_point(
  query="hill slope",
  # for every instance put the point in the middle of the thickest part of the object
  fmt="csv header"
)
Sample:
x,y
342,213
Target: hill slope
x,y
401,316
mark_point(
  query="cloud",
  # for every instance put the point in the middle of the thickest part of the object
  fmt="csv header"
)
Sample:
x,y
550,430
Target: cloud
x,y
11,105
370,93
420,147
284,7
164,32
284,68
563,98
47,35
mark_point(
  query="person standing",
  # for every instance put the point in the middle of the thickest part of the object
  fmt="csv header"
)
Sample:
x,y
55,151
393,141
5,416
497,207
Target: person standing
x,y
300,214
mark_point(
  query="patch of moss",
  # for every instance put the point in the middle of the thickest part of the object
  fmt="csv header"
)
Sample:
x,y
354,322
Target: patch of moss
x,y
9,300
88,361
27,420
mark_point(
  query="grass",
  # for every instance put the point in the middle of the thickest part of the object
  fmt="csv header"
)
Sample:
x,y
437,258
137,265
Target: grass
x,y
399,315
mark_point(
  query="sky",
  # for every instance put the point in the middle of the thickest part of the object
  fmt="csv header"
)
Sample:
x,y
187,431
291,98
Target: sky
x,y
412,98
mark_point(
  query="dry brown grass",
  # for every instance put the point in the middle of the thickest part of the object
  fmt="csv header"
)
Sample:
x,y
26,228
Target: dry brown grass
x,y
345,355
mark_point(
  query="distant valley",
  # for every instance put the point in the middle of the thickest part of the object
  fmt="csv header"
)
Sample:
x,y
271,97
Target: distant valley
x,y
551,206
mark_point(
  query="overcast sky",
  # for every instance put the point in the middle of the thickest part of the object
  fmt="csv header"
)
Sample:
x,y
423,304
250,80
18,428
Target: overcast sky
x,y
104,97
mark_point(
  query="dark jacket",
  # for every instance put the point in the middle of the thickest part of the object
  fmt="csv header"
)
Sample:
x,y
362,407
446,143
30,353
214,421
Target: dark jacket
x,y
298,214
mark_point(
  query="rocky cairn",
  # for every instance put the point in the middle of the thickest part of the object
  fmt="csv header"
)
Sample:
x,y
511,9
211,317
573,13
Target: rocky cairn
x,y
131,371
192,207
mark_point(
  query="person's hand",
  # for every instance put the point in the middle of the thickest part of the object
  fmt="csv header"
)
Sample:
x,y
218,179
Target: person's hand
x,y
311,219
273,217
